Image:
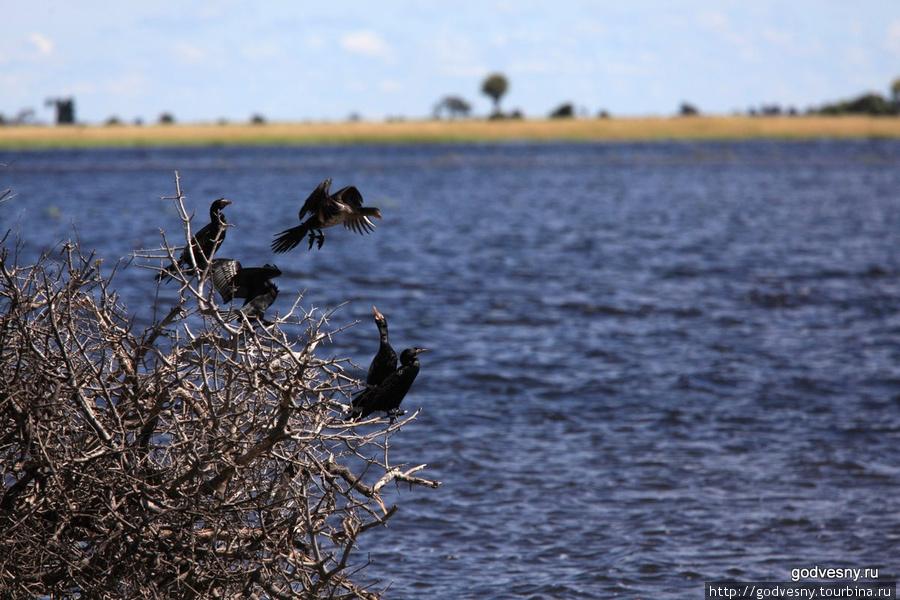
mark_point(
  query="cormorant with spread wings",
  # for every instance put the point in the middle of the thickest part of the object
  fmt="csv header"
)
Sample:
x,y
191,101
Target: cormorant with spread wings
x,y
327,210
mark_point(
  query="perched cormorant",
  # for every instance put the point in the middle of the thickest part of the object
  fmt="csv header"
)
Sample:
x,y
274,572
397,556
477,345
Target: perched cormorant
x,y
204,243
388,395
327,210
384,363
232,280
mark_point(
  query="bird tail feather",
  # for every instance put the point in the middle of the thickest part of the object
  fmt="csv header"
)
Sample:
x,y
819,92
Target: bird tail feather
x,y
289,238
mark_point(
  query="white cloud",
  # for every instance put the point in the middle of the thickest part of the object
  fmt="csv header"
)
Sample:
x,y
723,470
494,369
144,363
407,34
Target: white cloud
x,y
130,85
261,50
365,42
189,52
41,43
456,54
720,25
534,66
713,20
856,57
892,42
781,37
315,41
389,85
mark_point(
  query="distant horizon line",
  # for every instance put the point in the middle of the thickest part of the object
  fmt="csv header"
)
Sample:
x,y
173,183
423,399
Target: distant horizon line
x,y
224,122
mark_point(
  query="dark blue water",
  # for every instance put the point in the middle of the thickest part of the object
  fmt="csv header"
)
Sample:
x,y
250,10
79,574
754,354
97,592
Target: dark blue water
x,y
652,365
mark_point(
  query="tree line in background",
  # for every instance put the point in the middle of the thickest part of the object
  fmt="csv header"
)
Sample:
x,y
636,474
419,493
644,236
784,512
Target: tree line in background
x,y
496,85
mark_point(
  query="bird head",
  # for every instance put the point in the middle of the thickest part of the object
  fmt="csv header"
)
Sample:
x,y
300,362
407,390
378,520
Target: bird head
x,y
221,203
409,354
379,318
271,270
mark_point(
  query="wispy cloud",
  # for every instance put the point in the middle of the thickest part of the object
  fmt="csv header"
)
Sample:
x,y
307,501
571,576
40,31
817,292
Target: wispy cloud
x,y
42,44
366,43
190,52
892,41
130,85
456,54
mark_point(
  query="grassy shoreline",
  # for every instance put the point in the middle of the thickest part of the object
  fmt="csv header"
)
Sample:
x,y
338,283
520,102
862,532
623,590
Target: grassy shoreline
x,y
468,131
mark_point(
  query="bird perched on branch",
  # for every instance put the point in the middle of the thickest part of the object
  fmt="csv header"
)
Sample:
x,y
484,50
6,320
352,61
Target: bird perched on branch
x,y
327,210
383,364
388,394
253,284
204,243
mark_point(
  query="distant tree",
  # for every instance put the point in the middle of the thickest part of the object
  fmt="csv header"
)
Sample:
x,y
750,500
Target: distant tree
x,y
688,110
257,119
24,116
867,104
604,114
563,111
895,91
113,120
495,85
2,119
453,107
166,118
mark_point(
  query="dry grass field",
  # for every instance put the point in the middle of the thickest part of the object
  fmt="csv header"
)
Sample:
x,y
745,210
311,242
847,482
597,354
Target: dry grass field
x,y
430,131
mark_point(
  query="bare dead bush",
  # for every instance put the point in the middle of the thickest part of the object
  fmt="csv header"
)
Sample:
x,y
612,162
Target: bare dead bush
x,y
193,459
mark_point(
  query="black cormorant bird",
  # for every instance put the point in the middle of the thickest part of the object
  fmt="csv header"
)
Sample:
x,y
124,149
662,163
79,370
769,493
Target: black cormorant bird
x,y
205,242
327,210
254,284
384,363
388,395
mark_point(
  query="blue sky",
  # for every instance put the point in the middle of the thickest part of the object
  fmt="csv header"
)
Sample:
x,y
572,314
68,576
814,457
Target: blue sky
x,y
293,61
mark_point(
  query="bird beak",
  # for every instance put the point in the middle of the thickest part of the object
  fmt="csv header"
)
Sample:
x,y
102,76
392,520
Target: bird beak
x,y
378,315
225,201
421,350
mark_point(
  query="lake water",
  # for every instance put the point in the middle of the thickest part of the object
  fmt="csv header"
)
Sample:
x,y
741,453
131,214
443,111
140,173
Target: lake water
x,y
652,365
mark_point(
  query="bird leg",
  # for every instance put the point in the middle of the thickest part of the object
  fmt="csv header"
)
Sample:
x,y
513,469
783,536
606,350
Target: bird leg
x,y
318,237
394,414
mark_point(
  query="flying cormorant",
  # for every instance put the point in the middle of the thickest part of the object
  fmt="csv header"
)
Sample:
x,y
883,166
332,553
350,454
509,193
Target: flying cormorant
x,y
388,395
204,243
232,280
327,210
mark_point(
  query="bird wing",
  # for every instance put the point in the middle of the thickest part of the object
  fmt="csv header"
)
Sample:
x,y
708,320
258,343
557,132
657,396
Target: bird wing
x,y
224,274
316,200
205,243
359,223
250,277
390,393
350,196
383,364
254,307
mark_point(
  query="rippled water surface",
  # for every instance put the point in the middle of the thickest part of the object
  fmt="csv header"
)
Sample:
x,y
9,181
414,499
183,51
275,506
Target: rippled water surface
x,y
652,365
